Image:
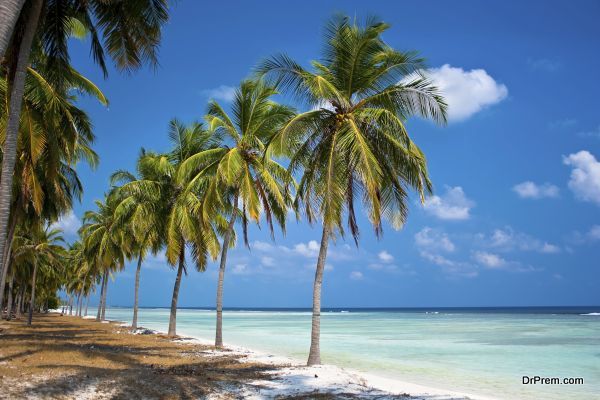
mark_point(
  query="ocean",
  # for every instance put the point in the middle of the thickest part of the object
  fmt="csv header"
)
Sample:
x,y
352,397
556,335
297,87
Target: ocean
x,y
480,351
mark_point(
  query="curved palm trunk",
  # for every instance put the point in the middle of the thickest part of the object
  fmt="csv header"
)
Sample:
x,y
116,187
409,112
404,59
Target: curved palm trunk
x,y
101,297
9,14
12,125
314,357
173,316
87,303
32,300
137,288
226,240
6,257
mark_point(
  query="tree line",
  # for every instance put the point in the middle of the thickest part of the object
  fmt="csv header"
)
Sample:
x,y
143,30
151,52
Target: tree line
x,y
247,162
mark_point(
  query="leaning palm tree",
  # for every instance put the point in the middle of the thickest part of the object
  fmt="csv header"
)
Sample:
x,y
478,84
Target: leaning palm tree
x,y
131,31
240,172
145,224
41,248
353,143
179,208
54,136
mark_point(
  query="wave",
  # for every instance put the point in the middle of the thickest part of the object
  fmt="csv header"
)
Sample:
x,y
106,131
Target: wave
x,y
592,313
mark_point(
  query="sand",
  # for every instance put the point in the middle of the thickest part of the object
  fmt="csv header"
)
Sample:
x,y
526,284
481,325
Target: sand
x,y
66,357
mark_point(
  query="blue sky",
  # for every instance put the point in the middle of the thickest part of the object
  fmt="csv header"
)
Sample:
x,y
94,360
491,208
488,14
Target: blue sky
x,y
515,219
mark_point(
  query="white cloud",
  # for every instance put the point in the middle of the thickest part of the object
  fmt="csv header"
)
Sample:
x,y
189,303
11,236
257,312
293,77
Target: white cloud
x,y
262,246
466,92
385,256
450,267
437,259
495,261
223,93
591,236
531,190
453,205
549,248
68,223
489,260
585,176
267,261
507,239
356,275
292,261
240,269
310,249
433,240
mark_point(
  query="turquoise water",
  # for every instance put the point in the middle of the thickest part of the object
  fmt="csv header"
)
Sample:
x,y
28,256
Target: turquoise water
x,y
485,353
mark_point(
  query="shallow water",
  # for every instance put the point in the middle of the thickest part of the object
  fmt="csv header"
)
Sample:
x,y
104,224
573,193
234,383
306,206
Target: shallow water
x,y
484,352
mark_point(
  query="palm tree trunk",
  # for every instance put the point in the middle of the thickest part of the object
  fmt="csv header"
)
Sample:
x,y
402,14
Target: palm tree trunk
x,y
9,304
226,240
314,356
19,304
136,292
32,301
173,316
70,304
103,316
101,296
9,14
87,303
6,258
12,125
80,306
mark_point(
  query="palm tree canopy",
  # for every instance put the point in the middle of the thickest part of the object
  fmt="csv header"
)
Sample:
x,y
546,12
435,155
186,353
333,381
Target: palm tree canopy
x,y
238,168
158,206
104,240
128,31
41,246
353,143
54,135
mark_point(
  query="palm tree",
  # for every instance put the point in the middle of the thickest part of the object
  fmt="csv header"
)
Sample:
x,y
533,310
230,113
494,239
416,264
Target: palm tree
x,y
105,243
9,14
54,135
354,142
80,273
131,31
145,224
178,207
241,172
40,248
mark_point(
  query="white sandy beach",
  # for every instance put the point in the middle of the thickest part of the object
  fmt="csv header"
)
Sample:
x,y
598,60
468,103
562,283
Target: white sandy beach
x,y
293,377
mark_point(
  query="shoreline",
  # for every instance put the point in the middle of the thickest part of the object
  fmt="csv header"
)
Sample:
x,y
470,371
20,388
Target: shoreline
x,y
294,374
